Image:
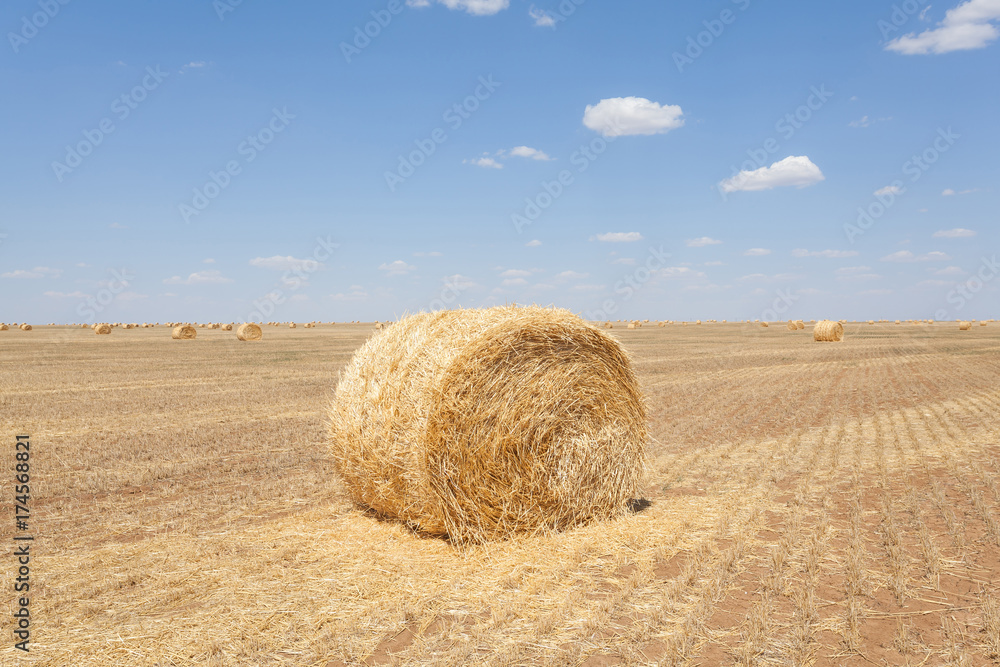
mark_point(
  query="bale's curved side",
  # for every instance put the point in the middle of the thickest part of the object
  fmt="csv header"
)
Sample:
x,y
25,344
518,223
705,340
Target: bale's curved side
x,y
828,331
184,332
964,326
25,327
102,329
249,331
481,424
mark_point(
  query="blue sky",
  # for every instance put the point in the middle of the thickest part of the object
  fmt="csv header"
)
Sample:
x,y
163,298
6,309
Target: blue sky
x,y
200,160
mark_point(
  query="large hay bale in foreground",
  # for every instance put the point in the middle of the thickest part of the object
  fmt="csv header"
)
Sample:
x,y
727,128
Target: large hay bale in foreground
x,y
964,326
102,329
249,331
184,332
828,331
482,424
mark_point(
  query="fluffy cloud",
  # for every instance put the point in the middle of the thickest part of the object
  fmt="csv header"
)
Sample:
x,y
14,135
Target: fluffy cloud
x,y
571,275
757,252
618,237
66,295
865,121
948,192
907,256
832,254
528,152
513,282
355,293
967,26
622,116
199,278
889,190
957,233
37,272
798,171
397,268
541,18
476,7
533,244
950,271
515,273
679,272
701,242
485,162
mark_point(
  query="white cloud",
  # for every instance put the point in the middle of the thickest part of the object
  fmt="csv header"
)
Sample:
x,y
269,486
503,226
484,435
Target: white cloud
x,y
397,268
757,252
541,18
889,190
679,272
571,275
511,282
627,261
485,162
907,256
458,281
208,260
65,295
950,271
948,192
795,170
433,253
131,296
935,283
957,233
588,288
850,270
622,116
476,7
355,293
858,277
966,26
716,263
286,263
37,272
832,254
82,265
618,237
199,278
701,242
528,152
533,244
515,273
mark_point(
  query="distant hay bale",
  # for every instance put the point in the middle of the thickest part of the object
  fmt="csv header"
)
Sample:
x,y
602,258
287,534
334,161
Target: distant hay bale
x,y
378,326
309,325
25,327
229,327
698,322
608,325
482,424
764,324
249,331
631,325
897,321
982,324
964,326
828,331
102,329
792,326
183,332
800,324
4,327
291,325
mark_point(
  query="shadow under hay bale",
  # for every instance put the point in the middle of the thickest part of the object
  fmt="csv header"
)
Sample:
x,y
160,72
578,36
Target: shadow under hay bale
x,y
484,424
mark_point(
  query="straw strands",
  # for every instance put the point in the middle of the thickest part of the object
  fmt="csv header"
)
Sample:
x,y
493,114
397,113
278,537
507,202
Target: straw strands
x,y
183,332
249,331
828,331
482,424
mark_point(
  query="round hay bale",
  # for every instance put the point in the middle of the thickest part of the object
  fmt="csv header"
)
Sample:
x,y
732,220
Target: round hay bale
x,y
631,325
4,327
229,327
25,327
964,326
249,331
828,331
792,326
800,324
482,424
102,329
765,324
291,325
982,324
183,332
608,325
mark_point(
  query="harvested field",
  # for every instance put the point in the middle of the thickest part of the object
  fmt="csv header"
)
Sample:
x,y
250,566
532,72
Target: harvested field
x,y
806,504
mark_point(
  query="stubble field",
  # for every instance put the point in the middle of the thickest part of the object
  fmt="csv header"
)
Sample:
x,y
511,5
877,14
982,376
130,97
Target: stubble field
x,y
810,503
